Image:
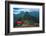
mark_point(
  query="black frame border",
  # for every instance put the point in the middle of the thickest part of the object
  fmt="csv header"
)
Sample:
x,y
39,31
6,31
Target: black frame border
x,y
7,17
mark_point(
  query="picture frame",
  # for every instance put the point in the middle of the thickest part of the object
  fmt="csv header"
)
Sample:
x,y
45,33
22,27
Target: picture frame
x,y
21,30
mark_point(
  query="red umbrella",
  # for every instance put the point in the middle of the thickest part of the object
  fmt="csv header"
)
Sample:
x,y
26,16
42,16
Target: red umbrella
x,y
19,22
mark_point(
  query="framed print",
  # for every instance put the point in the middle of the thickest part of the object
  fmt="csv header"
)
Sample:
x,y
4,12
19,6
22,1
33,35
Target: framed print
x,y
24,17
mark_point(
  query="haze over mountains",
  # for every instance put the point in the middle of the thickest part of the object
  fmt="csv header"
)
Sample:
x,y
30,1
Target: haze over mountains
x,y
21,11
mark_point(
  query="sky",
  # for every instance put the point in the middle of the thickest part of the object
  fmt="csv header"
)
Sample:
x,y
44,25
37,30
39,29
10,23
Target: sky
x,y
18,10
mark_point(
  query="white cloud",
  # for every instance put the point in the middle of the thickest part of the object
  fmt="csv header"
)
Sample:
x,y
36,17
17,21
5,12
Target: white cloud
x,y
25,10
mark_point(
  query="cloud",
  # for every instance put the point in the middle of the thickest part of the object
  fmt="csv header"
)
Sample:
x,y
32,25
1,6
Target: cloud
x,y
18,10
